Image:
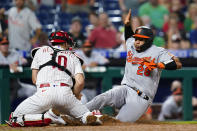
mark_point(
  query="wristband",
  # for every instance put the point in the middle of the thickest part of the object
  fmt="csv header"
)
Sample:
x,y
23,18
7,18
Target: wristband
x,y
170,65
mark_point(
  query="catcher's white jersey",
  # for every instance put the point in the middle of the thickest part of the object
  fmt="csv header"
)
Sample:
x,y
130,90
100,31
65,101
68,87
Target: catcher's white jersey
x,y
56,94
139,76
51,74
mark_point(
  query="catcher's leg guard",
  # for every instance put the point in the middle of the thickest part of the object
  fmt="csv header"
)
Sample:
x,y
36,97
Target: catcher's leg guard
x,y
28,120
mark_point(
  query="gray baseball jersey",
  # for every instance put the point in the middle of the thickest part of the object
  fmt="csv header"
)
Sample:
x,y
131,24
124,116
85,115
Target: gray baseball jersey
x,y
20,26
168,108
139,76
13,57
123,97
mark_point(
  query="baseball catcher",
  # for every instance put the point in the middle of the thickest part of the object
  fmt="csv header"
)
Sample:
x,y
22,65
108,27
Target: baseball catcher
x,y
53,70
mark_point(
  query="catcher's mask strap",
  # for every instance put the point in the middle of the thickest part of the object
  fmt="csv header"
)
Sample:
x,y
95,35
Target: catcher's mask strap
x,y
33,51
80,59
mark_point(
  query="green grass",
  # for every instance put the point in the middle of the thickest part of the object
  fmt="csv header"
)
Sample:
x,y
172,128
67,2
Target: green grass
x,y
180,122
3,124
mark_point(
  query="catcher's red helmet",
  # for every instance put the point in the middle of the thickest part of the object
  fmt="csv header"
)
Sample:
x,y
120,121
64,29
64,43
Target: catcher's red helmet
x,y
61,37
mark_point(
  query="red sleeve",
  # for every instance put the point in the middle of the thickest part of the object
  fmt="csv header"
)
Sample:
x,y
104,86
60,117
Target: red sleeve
x,y
165,27
180,26
92,36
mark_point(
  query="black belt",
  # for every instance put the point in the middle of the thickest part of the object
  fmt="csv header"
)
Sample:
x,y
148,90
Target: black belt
x,y
140,93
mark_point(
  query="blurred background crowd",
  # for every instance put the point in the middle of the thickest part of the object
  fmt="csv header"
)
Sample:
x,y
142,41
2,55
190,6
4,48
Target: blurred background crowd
x,y
97,27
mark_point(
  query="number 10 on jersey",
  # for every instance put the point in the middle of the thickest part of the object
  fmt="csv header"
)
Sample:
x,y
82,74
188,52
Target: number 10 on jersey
x,y
62,60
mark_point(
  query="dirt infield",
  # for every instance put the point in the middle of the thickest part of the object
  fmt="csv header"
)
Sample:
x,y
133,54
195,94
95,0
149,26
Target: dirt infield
x,y
117,126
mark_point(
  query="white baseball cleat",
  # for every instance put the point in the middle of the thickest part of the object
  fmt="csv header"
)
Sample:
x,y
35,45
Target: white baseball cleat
x,y
55,117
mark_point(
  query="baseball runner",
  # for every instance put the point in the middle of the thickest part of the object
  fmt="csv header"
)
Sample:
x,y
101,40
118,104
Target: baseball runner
x,y
143,68
53,69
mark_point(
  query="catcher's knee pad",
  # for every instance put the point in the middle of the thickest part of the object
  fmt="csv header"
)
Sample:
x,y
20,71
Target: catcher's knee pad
x,y
28,120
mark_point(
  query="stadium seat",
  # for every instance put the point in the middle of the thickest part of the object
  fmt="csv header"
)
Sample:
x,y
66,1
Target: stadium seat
x,y
48,28
64,27
7,6
46,8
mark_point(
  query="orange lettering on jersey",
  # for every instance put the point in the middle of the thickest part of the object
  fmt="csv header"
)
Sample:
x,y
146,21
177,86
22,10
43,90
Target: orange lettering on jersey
x,y
135,60
129,56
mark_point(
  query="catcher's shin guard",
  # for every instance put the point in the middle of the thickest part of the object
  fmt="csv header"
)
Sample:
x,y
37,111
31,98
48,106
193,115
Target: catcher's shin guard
x,y
28,120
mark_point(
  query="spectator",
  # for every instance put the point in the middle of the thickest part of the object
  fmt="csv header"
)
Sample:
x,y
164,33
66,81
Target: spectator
x,y
172,107
35,4
32,4
172,17
91,59
192,13
93,18
21,21
94,22
146,21
103,36
175,35
176,7
136,22
75,30
158,40
76,6
12,59
193,1
185,43
165,3
174,43
157,13
42,40
3,23
193,34
49,2
121,45
121,27
125,5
